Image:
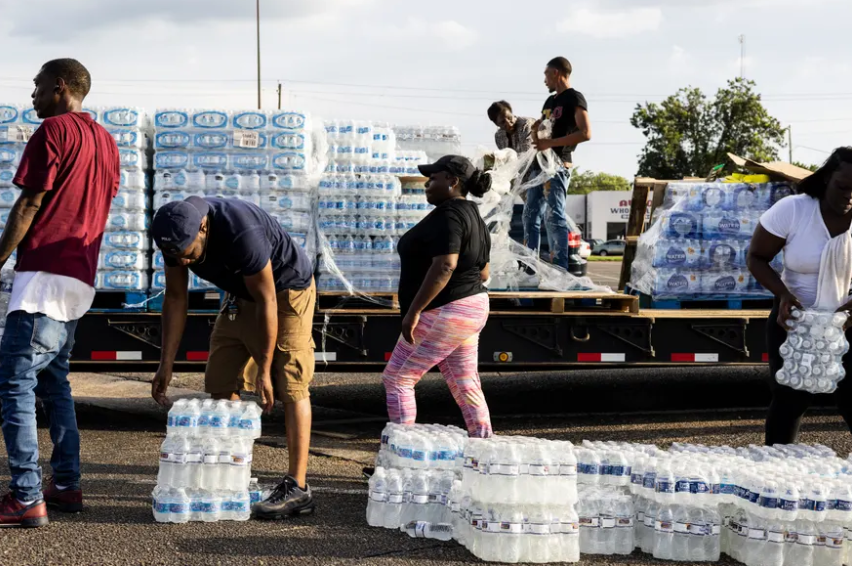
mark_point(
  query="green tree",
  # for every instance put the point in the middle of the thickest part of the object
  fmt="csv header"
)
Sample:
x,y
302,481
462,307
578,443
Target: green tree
x,y
688,133
583,183
810,167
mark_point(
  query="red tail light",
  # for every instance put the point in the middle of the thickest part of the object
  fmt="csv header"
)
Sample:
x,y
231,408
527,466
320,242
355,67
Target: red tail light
x,y
574,240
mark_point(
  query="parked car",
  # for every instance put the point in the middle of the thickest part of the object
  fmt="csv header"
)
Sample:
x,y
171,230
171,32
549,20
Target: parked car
x,y
595,242
612,247
585,249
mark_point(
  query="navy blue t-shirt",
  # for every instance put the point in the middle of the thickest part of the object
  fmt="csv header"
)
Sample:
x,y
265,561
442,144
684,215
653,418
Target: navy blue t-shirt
x,y
241,239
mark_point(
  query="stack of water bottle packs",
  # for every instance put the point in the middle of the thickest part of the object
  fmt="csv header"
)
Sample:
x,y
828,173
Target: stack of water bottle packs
x,y
363,206
508,499
261,157
123,263
698,242
434,141
205,462
512,499
813,352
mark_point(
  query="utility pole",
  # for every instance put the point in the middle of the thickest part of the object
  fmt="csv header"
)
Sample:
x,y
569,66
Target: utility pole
x,y
790,143
742,55
279,95
257,5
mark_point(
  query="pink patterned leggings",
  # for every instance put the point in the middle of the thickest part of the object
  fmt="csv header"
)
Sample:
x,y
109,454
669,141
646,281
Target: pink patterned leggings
x,y
448,337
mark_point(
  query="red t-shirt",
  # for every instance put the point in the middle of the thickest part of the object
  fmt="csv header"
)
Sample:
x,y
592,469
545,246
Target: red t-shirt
x,y
74,160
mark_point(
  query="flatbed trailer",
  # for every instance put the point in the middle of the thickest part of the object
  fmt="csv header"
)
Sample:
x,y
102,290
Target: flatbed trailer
x,y
525,331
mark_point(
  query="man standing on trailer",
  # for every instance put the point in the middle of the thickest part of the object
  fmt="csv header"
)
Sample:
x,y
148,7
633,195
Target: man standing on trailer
x,y
567,110
262,338
69,174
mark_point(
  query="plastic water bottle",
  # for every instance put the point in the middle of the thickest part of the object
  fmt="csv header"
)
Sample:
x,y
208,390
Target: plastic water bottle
x,y
179,506
422,529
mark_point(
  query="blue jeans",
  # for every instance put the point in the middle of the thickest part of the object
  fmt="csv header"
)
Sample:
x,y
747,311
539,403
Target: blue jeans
x,y
548,201
34,357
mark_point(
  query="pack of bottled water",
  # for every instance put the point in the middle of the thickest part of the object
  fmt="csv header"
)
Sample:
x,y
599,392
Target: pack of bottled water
x,y
265,158
699,238
205,462
785,505
813,352
434,141
507,499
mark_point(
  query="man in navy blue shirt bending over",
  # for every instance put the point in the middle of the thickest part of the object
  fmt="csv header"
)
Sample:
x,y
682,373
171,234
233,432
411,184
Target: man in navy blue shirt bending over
x,y
262,338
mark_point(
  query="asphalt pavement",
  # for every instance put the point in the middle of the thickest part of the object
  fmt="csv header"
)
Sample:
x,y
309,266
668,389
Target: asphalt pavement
x,y
120,445
604,273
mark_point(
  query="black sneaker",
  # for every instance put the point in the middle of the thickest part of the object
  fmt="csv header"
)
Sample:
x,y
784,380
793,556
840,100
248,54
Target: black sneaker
x,y
287,500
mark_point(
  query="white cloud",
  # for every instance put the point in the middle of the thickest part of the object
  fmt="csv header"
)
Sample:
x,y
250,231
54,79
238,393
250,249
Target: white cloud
x,y
452,35
679,59
611,23
79,18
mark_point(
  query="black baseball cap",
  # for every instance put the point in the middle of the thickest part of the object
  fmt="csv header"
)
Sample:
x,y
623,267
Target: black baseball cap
x,y
455,165
176,224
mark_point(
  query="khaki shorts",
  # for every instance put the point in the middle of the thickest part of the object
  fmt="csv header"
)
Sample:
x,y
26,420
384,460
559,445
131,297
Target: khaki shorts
x,y
231,365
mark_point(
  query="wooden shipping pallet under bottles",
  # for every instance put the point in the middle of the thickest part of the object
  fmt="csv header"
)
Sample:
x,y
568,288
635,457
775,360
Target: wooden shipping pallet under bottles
x,y
513,302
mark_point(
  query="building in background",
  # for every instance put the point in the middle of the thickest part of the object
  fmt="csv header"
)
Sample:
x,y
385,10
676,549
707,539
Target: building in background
x,y
602,215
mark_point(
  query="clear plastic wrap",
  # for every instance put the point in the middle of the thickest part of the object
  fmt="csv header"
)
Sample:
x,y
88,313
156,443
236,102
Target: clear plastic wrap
x,y
813,352
698,241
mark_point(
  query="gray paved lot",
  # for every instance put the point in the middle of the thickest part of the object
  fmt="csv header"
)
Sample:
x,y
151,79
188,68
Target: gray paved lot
x,y
119,464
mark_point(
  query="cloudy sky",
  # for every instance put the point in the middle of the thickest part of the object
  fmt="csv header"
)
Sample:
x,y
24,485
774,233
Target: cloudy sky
x,y
402,62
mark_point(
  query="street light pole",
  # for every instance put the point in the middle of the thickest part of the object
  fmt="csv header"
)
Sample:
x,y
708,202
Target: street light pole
x,y
258,53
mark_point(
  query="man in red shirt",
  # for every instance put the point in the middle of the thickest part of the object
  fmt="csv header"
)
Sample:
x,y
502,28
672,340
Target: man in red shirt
x,y
69,174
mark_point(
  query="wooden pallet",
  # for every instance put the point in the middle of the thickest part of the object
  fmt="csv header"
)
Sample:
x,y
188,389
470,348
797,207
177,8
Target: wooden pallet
x,y
346,301
115,301
636,221
562,302
503,302
199,301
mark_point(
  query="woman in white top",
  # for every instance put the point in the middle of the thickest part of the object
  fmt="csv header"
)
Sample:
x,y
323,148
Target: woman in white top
x,y
801,226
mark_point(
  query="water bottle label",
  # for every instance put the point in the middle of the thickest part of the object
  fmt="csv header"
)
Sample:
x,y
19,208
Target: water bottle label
x,y
170,422
405,452
716,530
608,522
834,542
211,458
648,521
208,507
569,470
681,528
682,486
539,528
757,534
474,521
819,506
618,471
698,486
161,507
820,540
624,522
378,496
239,460
179,508
636,479
571,528
395,498
664,527
224,458
493,527
216,422
234,422
806,540
590,522
247,424
539,470
649,481
194,458
165,457
728,489
420,499
196,507
239,506
742,530
664,487
511,528
776,537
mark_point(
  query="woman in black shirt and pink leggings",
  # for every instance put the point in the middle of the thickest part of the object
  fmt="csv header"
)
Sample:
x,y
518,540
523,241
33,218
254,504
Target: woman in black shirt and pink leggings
x,y
442,296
